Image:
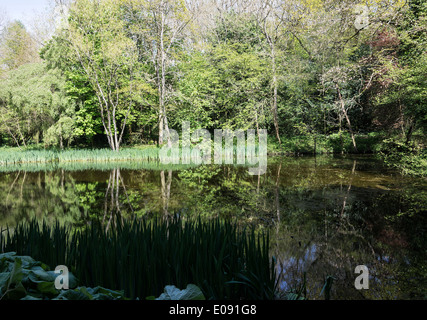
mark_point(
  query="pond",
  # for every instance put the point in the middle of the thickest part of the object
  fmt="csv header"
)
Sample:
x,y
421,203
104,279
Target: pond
x,y
326,214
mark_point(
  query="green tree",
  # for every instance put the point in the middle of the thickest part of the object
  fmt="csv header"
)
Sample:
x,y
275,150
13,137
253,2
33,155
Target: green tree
x,y
16,46
158,26
33,99
226,85
401,83
108,58
88,122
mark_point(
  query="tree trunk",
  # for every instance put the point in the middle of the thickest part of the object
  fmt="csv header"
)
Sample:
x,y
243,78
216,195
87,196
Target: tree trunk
x,y
61,142
340,132
256,121
344,111
160,127
116,140
106,119
161,81
275,117
22,136
10,132
409,133
161,78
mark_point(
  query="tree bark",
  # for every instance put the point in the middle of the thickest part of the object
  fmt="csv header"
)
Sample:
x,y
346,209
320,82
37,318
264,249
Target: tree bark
x,y
161,79
22,136
275,117
409,133
10,132
344,111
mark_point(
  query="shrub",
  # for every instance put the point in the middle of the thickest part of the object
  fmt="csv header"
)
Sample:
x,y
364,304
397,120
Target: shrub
x,y
408,158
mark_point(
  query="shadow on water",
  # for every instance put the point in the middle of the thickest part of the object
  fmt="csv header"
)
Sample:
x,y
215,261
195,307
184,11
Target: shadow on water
x,y
326,214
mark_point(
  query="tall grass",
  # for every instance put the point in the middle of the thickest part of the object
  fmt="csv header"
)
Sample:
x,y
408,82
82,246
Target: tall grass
x,y
10,157
99,166
141,256
13,156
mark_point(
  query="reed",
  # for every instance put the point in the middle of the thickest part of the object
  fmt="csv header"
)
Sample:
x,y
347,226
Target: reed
x,y
142,256
13,157
99,166
10,156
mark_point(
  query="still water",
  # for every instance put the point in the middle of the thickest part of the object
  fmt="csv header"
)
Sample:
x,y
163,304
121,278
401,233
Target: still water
x,y
326,215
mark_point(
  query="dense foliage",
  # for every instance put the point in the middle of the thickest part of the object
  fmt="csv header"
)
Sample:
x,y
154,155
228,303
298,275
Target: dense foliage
x,y
23,278
124,72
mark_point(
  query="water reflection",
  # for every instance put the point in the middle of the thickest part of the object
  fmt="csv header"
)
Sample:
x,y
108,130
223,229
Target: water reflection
x,y
112,202
326,215
165,190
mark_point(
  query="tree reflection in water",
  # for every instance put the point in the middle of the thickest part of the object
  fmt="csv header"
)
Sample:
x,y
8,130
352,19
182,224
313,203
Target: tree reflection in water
x,y
325,215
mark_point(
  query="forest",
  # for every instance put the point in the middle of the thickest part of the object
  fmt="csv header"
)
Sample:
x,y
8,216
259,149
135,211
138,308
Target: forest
x,y
91,90
322,76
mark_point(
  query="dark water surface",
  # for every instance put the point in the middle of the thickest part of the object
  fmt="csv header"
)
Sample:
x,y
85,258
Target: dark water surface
x,y
326,215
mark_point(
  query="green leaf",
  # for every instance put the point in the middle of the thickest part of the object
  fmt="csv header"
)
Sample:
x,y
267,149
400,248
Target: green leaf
x,y
37,274
103,292
72,281
47,288
4,278
84,293
30,297
17,274
16,293
7,255
72,295
192,292
294,296
27,261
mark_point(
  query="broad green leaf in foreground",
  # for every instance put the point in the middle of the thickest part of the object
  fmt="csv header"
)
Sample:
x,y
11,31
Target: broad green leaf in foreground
x,y
192,292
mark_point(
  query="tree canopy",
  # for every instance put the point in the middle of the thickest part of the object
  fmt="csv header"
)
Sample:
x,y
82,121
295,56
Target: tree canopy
x,y
125,72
